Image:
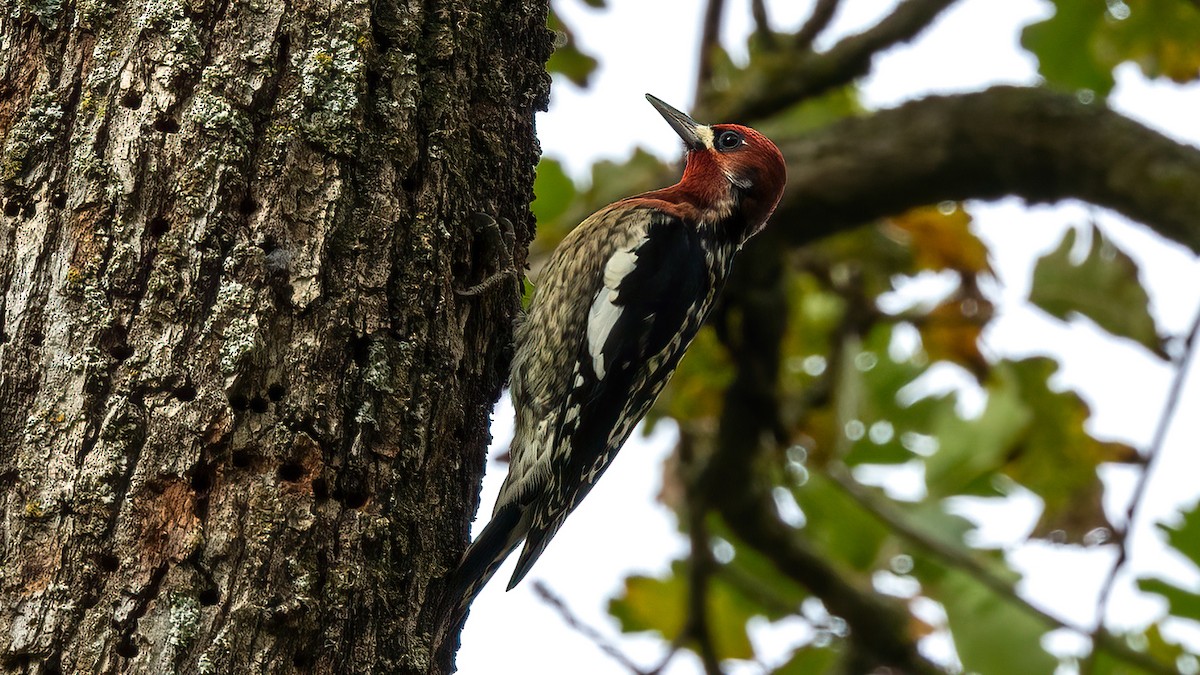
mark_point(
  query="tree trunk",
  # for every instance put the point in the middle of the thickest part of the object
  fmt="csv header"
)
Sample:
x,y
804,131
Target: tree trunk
x,y
242,406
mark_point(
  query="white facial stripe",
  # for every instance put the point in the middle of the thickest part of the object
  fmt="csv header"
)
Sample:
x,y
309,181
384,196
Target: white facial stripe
x,y
705,134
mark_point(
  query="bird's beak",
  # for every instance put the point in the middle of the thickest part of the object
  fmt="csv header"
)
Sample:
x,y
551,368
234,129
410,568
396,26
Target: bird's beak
x,y
687,128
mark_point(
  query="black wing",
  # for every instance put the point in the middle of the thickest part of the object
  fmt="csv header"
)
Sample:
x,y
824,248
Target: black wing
x,y
662,298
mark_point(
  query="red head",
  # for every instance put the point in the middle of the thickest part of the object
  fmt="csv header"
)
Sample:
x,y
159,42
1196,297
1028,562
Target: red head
x,y
728,167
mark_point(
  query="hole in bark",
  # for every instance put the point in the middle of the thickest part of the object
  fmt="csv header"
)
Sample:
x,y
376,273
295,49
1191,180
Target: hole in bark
x,y
202,479
89,601
356,499
158,226
126,648
209,596
185,393
276,392
300,660
241,458
36,339
247,206
59,200
12,208
281,52
121,351
320,489
290,472
132,100
410,184
373,79
3,337
258,404
239,401
360,349
108,562
166,125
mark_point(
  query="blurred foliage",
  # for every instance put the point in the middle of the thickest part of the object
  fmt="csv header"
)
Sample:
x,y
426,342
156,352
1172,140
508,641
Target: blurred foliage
x,y
568,59
877,380
1080,45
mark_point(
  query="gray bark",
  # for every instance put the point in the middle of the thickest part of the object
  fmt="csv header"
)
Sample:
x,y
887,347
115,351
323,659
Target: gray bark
x,y
242,407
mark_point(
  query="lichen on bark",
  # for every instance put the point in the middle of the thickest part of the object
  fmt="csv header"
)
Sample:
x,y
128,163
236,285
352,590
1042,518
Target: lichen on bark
x,y
242,409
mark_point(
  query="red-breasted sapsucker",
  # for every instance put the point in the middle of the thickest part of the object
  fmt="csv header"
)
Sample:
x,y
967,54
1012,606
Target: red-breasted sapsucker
x,y
615,308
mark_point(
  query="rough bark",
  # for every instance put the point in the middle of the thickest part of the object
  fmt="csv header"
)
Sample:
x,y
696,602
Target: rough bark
x,y
242,407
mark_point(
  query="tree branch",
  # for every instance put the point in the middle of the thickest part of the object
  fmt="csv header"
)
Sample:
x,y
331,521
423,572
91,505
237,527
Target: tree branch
x,y
762,22
821,15
879,627
793,75
1026,142
710,41
697,629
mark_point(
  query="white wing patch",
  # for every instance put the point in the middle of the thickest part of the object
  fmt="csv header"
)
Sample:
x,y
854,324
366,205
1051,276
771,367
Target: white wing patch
x,y
604,312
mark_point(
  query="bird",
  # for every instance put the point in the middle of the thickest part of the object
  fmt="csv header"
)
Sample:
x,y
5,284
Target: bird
x,y
614,310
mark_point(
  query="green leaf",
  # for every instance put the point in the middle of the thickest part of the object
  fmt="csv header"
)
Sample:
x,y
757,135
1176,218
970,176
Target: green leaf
x,y
992,636
568,60
527,289
554,191
971,450
1104,287
1159,35
809,660
1183,603
838,525
650,604
1080,45
1185,538
1151,643
1065,48
1057,457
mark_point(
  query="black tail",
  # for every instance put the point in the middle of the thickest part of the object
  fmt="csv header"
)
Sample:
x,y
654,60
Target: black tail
x,y
484,556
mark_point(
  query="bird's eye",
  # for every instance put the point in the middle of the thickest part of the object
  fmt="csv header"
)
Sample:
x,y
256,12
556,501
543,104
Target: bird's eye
x,y
728,140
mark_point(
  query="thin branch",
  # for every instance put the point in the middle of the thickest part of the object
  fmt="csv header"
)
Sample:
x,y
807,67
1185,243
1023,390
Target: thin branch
x,y
596,637
967,562
783,82
817,22
762,23
1151,459
710,41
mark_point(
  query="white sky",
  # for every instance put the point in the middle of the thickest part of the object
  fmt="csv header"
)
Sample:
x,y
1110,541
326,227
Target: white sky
x,y
620,529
